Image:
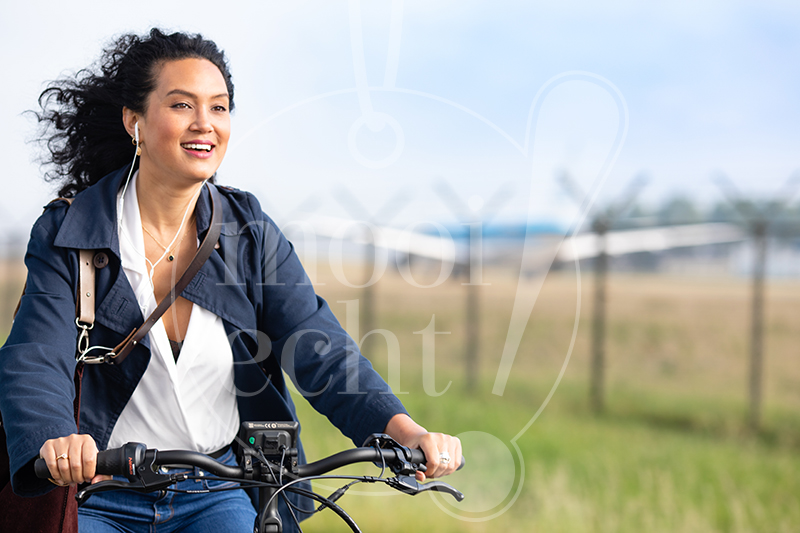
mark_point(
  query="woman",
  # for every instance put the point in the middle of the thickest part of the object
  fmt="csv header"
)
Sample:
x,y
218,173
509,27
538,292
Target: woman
x,y
216,357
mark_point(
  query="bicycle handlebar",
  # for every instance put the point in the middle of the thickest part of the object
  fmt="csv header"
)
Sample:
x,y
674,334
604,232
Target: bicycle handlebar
x,y
362,455
123,461
142,467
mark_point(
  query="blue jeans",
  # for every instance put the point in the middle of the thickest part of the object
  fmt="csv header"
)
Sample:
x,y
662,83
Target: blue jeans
x,y
136,512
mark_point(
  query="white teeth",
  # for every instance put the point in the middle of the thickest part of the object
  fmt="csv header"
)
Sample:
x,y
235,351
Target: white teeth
x,y
190,146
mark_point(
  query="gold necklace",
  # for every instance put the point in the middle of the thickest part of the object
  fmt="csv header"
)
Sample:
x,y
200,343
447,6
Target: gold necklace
x,y
170,257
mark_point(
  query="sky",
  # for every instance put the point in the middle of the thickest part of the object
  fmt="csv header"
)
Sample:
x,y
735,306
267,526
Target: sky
x,y
373,109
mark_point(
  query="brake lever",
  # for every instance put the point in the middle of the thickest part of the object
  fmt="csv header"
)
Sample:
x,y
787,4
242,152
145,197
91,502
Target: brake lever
x,y
163,482
410,485
147,480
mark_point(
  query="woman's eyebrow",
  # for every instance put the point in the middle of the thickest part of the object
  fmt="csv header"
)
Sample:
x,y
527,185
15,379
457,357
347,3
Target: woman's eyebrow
x,y
192,95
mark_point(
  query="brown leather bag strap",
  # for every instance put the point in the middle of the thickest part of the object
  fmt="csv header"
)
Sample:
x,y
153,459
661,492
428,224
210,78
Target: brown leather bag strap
x,y
85,300
121,351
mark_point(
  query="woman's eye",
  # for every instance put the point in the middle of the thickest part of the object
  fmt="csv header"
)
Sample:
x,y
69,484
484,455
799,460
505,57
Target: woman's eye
x,y
181,105
219,108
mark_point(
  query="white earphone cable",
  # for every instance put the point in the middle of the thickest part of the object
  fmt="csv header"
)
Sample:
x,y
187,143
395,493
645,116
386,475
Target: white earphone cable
x,y
122,204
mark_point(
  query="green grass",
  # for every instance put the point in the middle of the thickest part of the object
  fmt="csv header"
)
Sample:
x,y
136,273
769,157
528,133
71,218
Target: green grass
x,y
614,473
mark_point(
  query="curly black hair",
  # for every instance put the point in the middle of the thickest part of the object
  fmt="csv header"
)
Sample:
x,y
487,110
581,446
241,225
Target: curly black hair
x,y
81,116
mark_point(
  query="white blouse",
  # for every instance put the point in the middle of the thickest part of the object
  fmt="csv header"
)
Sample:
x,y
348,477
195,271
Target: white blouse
x,y
189,404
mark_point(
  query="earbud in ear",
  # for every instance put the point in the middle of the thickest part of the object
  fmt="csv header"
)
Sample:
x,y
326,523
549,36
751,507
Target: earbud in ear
x,y
136,139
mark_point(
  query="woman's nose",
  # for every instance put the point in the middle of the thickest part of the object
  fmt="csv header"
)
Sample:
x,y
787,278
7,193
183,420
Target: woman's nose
x,y
202,121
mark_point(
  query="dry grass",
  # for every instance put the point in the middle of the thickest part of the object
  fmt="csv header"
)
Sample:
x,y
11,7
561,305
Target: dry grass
x,y
679,336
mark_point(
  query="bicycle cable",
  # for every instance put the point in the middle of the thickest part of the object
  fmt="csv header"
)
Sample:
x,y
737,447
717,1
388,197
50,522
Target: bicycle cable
x,y
264,460
289,485
330,505
322,500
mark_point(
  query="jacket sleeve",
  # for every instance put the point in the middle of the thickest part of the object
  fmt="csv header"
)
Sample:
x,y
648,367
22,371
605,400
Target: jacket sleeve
x,y
314,351
37,362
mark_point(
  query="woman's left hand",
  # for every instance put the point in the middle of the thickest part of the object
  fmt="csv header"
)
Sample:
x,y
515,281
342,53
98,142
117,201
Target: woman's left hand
x,y
443,452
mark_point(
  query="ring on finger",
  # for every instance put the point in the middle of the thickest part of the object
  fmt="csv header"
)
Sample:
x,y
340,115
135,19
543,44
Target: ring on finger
x,y
63,456
444,458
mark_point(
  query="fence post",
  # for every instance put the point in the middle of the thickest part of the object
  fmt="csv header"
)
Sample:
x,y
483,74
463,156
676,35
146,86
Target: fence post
x,y
597,379
757,331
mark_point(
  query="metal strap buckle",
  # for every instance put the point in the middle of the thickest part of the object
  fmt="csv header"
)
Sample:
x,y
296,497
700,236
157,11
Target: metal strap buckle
x,y
94,359
84,348
83,338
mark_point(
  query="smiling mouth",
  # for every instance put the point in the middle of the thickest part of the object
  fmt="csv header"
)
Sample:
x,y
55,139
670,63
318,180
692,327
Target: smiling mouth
x,y
198,147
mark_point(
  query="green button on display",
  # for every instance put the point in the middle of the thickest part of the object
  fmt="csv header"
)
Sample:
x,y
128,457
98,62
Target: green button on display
x,y
252,440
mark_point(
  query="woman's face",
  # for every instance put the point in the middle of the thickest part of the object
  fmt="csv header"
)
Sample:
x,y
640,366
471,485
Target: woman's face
x,y
186,126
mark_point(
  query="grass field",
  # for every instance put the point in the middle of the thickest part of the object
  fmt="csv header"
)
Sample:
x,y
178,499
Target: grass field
x,y
671,454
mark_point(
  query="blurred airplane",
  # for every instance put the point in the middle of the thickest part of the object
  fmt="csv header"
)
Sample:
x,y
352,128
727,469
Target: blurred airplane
x,y
585,245
502,244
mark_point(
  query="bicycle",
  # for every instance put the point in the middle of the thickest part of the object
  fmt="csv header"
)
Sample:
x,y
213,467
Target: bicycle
x,y
267,457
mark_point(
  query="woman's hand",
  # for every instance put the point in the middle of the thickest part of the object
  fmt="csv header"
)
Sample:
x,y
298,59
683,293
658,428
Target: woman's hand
x,y
435,445
71,459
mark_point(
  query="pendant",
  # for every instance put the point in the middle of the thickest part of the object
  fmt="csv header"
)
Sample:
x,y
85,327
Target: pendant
x,y
171,257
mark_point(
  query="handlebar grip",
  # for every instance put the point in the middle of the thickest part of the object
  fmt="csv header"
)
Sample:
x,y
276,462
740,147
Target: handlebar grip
x,y
417,456
111,462
115,462
41,470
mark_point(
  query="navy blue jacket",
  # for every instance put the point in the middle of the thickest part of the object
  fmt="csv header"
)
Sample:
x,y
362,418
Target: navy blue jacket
x,y
254,282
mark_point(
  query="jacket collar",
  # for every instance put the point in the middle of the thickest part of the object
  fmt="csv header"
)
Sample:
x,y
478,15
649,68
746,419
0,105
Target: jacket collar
x,y
91,224
91,220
